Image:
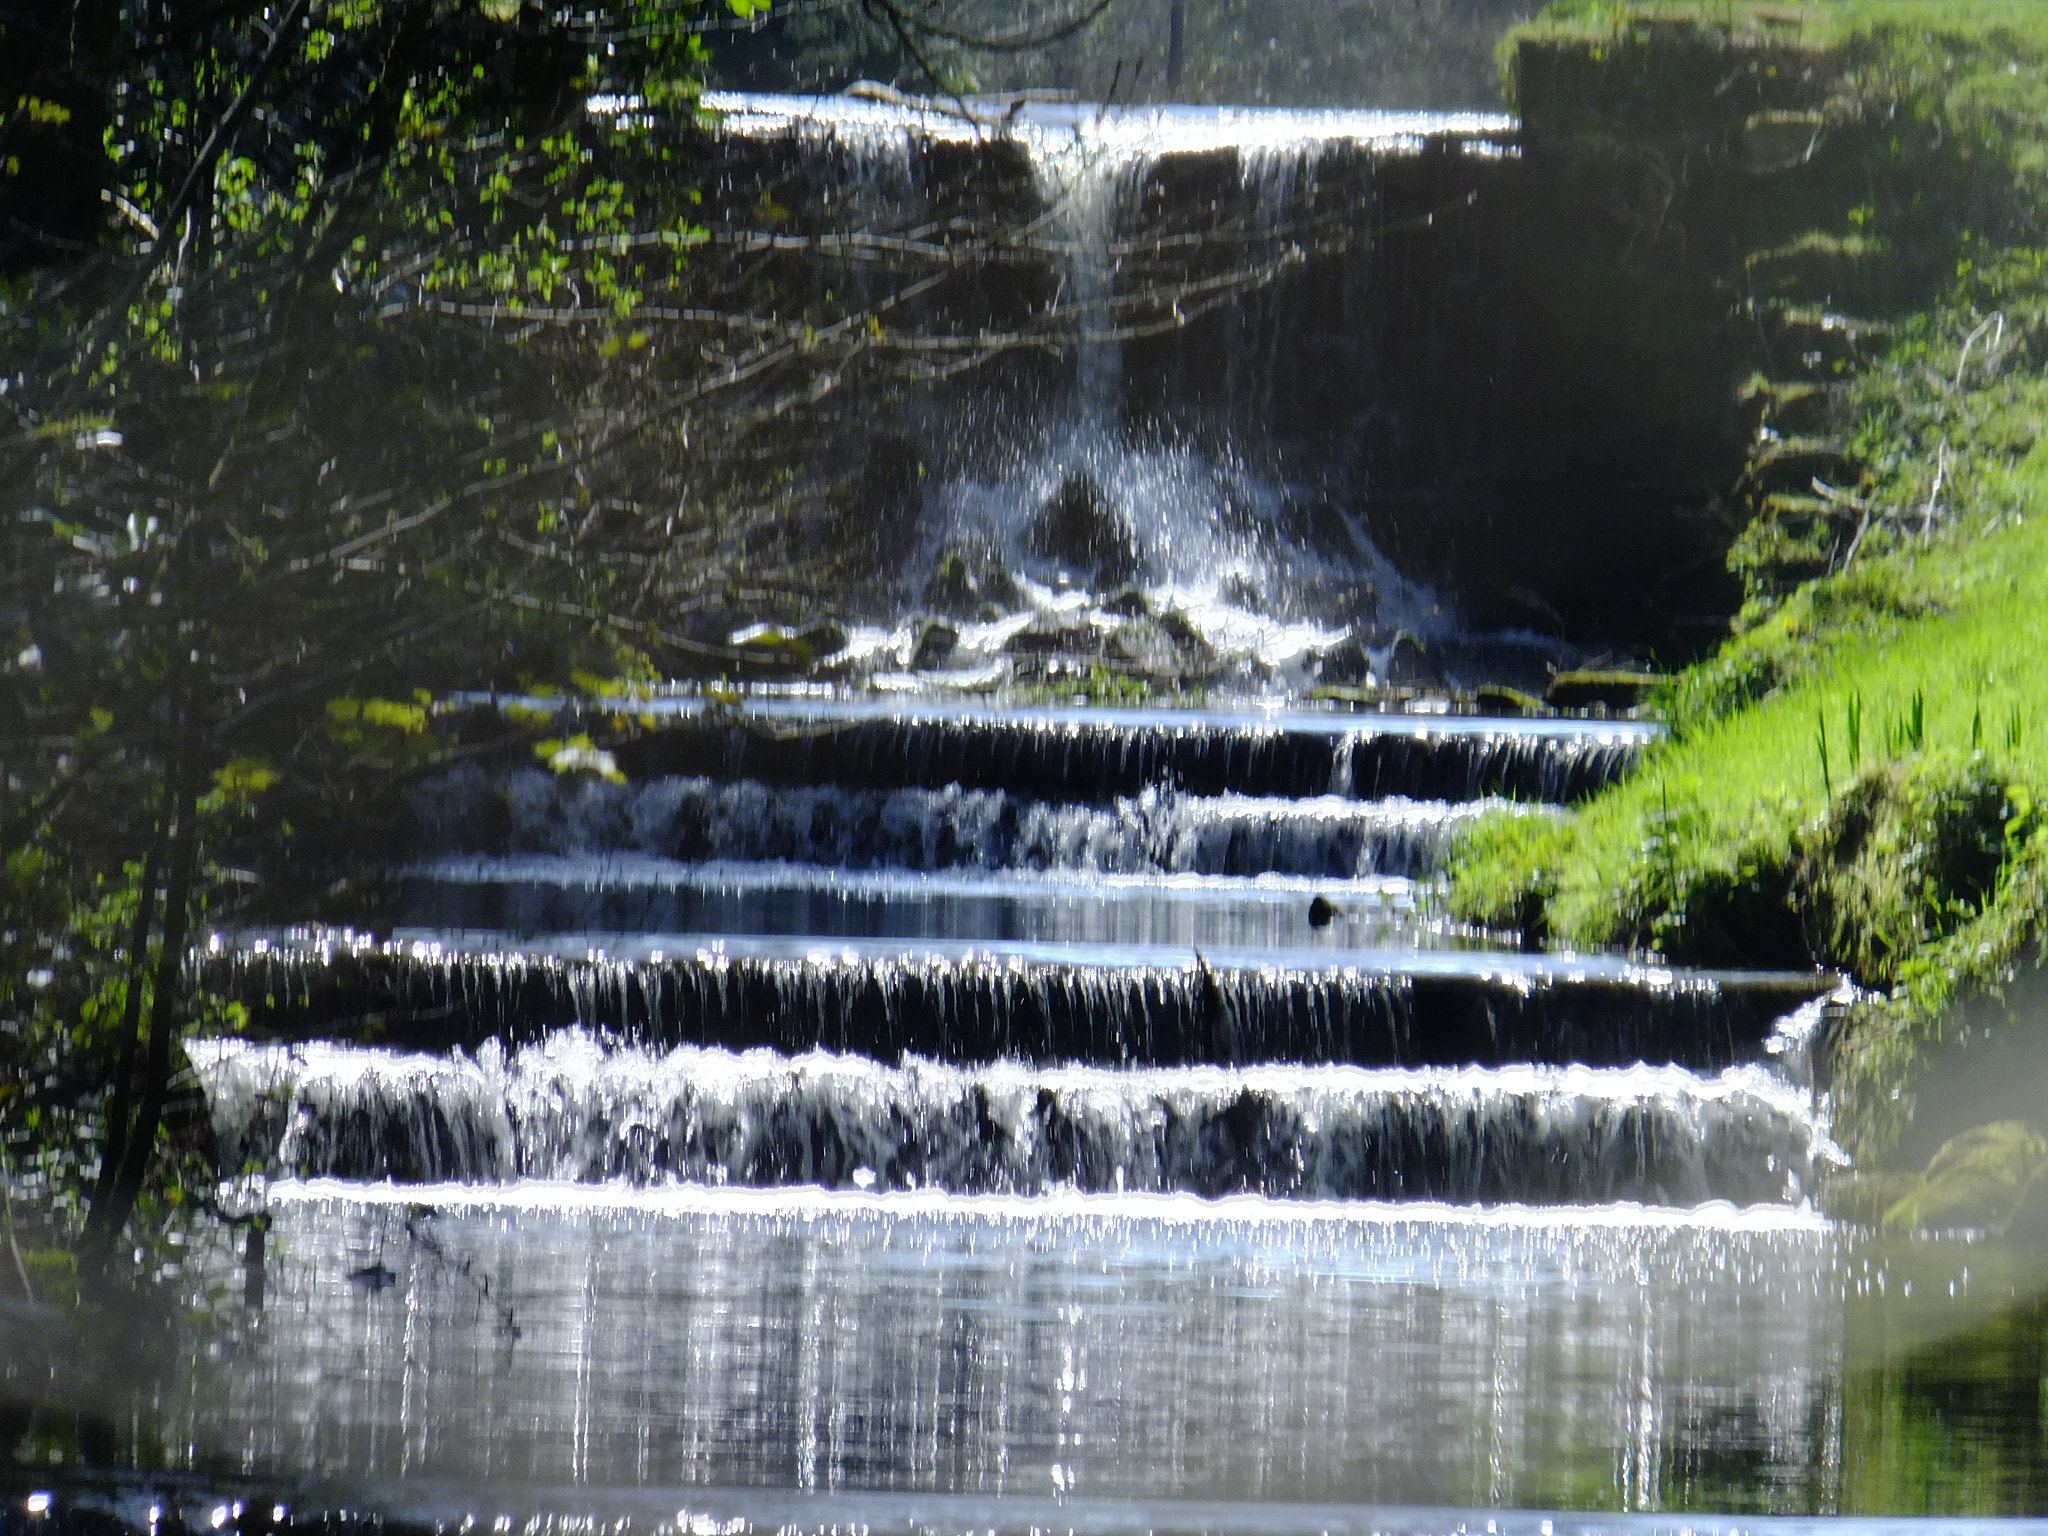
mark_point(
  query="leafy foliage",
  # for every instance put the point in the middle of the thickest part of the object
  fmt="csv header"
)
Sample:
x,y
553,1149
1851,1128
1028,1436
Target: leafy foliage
x,y
264,437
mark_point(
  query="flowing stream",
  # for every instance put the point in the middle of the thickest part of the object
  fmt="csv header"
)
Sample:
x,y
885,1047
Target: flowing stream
x,y
844,1111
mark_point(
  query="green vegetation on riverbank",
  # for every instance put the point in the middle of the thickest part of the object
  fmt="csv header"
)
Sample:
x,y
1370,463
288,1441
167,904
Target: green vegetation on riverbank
x,y
1859,776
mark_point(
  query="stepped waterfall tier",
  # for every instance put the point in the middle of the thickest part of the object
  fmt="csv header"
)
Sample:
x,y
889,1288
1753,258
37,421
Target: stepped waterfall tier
x,y
845,1045
568,1109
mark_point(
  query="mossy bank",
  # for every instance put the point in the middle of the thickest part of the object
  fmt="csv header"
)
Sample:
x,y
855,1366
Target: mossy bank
x,y
1858,776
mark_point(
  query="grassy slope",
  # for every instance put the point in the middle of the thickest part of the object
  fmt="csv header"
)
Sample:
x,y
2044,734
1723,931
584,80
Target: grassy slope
x,y
1915,864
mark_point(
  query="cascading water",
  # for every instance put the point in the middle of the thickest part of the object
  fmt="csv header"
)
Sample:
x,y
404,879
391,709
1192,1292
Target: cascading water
x,y
1154,832
861,1000
569,1108
1176,543
944,1106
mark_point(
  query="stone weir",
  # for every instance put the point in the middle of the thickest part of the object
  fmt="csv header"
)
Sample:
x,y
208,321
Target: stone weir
x,y
1488,351
1079,754
700,819
570,1109
958,1002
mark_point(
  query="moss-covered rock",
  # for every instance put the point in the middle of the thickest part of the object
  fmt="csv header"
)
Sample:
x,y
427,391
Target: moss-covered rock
x,y
1983,1179
970,581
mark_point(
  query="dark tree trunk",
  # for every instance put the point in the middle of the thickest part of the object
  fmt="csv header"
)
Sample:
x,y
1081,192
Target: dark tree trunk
x,y
131,1024
110,1213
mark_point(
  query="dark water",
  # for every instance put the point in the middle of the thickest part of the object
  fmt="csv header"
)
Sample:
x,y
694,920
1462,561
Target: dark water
x,y
623,894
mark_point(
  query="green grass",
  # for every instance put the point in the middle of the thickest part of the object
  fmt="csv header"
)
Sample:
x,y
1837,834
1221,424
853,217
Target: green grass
x,y
1964,628
1970,24
1979,62
1836,777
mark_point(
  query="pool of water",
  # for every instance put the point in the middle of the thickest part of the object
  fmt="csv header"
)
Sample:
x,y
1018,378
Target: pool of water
x,y
1087,1362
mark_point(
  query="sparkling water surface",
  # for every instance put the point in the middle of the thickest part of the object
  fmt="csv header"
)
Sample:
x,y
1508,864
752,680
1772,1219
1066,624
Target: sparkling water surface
x,y
1129,1348
808,1359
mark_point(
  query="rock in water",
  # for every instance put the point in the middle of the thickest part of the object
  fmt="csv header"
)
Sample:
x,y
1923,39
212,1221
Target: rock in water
x,y
1980,1179
1348,663
1409,664
970,581
1197,655
774,646
951,587
936,642
1081,528
1057,634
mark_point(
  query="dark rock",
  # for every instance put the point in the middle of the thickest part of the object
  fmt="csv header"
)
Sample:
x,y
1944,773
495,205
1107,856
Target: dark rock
x,y
1240,592
1501,699
1086,532
1130,602
1615,689
951,587
1321,912
825,637
1196,653
1347,663
970,581
1057,634
1409,664
1148,646
936,641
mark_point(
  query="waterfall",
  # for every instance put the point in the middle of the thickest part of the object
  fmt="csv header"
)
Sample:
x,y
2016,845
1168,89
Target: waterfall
x,y
864,1095
1153,832
570,1107
1197,482
1098,756
960,1003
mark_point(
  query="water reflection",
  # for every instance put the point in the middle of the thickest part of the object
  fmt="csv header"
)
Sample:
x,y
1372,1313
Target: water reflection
x,y
1134,1348
1954,1422
806,1361
620,894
